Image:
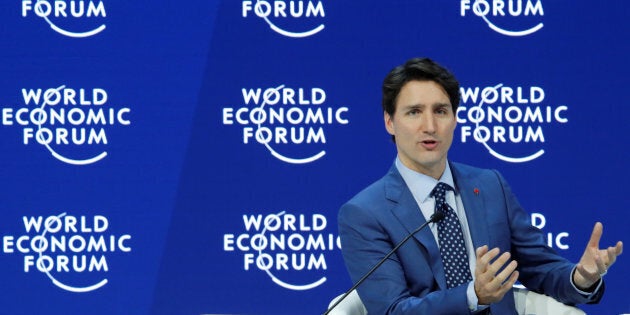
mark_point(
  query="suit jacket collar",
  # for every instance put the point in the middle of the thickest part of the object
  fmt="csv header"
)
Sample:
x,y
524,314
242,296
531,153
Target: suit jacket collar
x,y
408,213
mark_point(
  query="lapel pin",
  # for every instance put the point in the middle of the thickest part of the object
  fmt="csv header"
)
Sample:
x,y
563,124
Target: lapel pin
x,y
476,191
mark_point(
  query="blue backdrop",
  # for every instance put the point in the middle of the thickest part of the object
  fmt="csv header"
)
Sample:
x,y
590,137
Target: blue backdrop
x,y
168,157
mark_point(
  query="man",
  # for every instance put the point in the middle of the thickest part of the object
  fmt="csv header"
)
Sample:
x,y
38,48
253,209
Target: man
x,y
467,262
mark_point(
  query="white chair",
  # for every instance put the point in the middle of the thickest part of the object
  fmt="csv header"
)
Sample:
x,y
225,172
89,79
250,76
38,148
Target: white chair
x,y
527,303
352,305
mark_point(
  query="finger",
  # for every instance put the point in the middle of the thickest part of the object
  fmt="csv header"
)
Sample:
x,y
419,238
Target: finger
x,y
488,256
619,248
596,235
480,268
611,252
499,263
504,275
599,262
491,275
511,280
487,259
508,283
480,251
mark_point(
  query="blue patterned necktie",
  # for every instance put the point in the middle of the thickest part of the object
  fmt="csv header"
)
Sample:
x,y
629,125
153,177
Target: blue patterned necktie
x,y
451,239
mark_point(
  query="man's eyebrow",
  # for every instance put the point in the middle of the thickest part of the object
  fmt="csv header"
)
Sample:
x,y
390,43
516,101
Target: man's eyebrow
x,y
422,106
417,105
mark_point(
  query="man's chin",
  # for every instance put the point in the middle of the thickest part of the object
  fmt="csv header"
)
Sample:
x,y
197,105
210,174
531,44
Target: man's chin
x,y
429,166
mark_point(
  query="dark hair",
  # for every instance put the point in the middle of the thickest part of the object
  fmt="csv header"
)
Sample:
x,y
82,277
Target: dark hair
x,y
419,69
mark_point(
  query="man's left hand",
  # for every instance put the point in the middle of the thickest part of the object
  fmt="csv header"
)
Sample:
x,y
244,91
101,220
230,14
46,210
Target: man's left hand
x,y
595,262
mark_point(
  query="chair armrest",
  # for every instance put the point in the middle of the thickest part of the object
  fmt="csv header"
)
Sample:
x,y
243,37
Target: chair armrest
x,y
532,303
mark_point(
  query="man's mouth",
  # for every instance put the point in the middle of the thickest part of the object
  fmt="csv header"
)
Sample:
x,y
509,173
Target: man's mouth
x,y
429,144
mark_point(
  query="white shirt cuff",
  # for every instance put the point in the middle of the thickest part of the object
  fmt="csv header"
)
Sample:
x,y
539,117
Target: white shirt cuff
x,y
586,294
473,301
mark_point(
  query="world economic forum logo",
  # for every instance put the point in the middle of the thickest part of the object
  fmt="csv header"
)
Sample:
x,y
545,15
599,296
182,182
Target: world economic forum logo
x,y
71,251
287,121
295,19
290,248
70,123
510,122
506,17
68,18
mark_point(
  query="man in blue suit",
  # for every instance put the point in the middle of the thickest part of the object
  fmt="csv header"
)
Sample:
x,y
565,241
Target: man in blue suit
x,y
468,262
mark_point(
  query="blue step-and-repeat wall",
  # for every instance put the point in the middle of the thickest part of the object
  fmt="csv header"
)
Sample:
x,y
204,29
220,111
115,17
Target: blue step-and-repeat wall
x,y
190,157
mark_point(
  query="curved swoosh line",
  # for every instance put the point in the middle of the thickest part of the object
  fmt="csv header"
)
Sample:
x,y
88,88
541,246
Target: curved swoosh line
x,y
282,283
515,160
297,287
61,285
77,35
72,34
78,290
292,34
292,160
76,162
513,33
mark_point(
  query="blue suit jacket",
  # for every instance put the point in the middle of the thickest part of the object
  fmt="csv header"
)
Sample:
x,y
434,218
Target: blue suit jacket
x,y
412,280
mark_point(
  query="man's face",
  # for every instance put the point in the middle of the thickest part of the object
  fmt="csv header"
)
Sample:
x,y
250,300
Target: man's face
x,y
423,124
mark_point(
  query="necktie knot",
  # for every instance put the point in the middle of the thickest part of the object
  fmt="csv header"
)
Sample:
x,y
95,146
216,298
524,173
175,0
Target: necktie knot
x,y
440,191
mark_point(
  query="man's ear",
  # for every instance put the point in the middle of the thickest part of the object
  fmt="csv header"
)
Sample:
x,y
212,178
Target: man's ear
x,y
389,123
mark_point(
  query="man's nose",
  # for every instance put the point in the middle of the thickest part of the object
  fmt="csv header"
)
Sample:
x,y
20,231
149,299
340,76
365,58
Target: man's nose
x,y
428,124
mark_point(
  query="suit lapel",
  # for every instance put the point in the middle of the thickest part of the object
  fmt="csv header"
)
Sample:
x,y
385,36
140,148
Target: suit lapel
x,y
408,213
473,198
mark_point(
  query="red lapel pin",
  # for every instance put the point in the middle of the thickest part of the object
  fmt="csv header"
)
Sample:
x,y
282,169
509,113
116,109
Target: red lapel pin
x,y
476,191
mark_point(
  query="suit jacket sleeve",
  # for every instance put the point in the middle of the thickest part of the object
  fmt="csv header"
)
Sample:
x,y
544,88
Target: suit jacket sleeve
x,y
541,268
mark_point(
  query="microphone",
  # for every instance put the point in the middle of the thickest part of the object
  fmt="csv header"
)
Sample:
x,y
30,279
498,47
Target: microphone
x,y
435,218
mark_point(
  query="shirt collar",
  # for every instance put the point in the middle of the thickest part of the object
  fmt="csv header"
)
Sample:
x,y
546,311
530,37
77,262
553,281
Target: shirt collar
x,y
421,185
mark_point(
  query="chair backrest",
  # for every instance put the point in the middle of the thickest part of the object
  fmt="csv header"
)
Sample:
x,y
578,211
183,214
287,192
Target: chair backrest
x,y
526,302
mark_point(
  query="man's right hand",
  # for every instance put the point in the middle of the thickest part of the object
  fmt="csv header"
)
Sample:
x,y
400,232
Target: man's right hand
x,y
490,284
